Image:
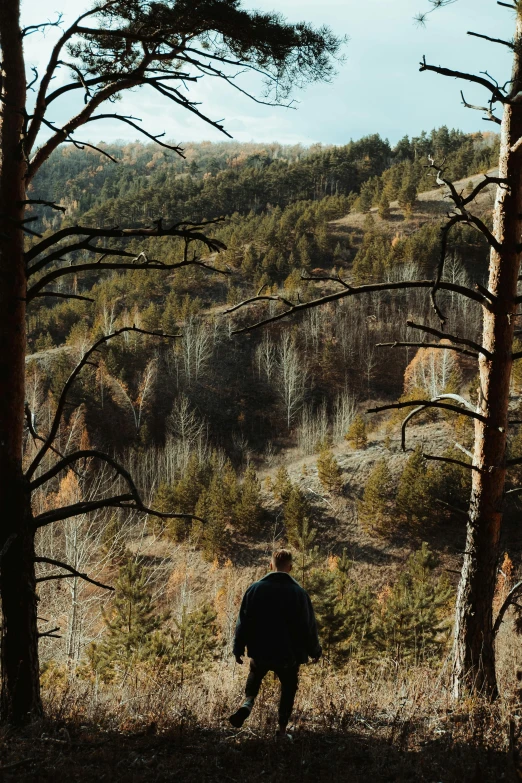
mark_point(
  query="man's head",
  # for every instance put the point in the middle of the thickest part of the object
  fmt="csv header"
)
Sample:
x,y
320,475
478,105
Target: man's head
x,y
282,560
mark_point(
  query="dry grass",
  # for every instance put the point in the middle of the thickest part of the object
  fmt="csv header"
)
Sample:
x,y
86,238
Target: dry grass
x,y
381,724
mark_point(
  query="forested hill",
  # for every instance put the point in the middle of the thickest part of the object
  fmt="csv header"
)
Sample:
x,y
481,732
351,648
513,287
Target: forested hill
x,y
280,206
261,435
220,179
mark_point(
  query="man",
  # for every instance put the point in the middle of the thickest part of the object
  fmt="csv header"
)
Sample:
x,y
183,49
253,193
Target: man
x,y
277,626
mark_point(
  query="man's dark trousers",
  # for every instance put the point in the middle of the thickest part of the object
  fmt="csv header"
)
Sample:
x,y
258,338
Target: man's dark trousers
x,y
288,677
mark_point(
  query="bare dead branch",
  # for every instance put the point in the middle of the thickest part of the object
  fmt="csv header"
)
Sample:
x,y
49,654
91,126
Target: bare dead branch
x,y
509,44
129,120
468,77
451,461
363,289
85,507
488,110
72,572
430,404
42,202
35,28
456,348
183,229
464,450
59,295
85,244
35,436
181,100
52,633
50,277
336,279
476,347
41,98
72,377
259,298
510,598
460,203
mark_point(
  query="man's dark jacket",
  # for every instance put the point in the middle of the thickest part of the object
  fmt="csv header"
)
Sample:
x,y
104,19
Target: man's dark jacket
x,y
276,622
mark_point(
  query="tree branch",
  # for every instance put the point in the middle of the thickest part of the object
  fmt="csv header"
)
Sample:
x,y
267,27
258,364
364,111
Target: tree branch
x,y
363,289
129,121
476,347
41,98
451,461
468,77
422,405
72,572
455,510
84,507
430,404
184,229
51,634
486,109
58,295
35,289
35,436
456,348
72,377
511,596
509,44
44,203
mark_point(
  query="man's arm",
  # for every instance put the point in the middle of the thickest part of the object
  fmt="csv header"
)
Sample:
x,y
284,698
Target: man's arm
x,y
314,648
241,634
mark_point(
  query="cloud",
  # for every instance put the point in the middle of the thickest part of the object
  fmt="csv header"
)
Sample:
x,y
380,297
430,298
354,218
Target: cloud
x,y
378,88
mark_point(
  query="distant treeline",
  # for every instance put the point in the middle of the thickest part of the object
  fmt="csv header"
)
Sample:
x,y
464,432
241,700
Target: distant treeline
x,y
221,179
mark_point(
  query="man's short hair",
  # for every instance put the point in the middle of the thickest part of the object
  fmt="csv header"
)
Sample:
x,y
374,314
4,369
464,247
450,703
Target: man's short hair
x,y
281,557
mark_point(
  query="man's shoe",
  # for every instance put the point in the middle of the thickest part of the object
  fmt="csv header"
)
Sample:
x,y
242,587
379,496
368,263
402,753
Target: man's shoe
x,y
239,717
283,734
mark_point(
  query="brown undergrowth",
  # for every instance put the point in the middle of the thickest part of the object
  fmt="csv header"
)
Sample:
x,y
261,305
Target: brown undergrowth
x,y
383,724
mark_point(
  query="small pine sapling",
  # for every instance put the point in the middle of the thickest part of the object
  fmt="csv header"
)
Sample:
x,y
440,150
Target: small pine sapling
x,y
357,434
329,472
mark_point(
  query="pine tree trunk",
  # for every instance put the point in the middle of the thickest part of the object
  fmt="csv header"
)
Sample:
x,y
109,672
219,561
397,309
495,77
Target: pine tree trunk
x,y
474,644
20,697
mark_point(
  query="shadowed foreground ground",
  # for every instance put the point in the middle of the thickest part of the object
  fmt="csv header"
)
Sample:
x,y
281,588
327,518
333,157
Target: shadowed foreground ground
x,y
358,725
43,753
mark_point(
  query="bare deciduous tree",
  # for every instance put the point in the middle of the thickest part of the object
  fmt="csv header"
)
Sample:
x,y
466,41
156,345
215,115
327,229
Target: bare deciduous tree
x,y
292,374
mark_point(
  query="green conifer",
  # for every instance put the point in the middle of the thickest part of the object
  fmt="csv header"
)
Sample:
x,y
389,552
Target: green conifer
x,y
190,644
413,620
296,510
282,485
408,196
329,472
375,510
357,434
248,509
344,611
384,206
307,552
130,625
414,499
214,507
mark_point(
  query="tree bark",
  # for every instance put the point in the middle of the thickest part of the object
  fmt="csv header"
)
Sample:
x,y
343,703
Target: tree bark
x,y
474,650
20,693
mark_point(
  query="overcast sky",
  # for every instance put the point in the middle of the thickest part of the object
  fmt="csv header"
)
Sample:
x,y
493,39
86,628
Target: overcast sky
x,y
378,89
